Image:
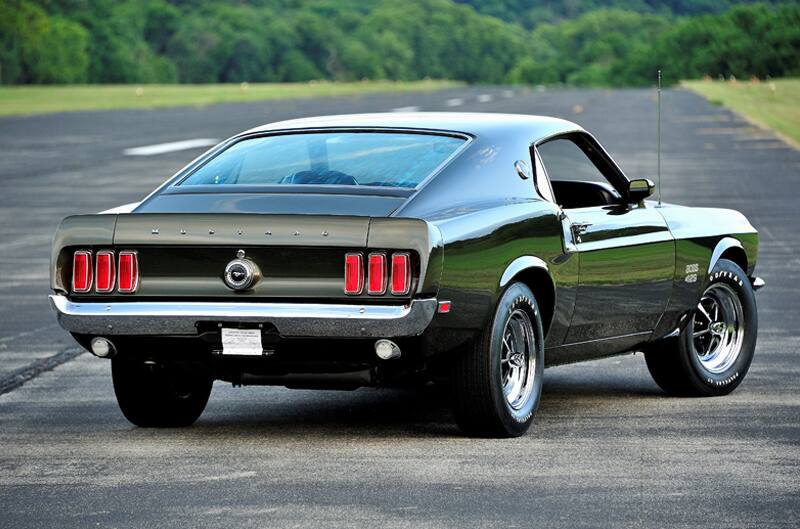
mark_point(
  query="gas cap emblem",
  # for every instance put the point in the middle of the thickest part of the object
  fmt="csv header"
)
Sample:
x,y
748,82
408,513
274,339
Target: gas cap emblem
x,y
241,273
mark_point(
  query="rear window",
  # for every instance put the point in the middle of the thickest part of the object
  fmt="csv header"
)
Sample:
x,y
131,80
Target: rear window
x,y
387,159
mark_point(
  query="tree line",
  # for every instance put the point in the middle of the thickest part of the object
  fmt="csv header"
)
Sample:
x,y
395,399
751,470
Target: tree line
x,y
211,41
531,13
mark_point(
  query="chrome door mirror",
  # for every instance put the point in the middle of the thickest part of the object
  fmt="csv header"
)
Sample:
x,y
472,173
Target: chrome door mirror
x,y
640,189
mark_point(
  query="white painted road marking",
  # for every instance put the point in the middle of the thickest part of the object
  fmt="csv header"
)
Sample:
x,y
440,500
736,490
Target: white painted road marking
x,y
485,98
162,148
455,102
508,93
405,109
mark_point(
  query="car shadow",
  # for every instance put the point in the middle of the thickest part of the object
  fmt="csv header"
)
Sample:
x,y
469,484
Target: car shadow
x,y
390,413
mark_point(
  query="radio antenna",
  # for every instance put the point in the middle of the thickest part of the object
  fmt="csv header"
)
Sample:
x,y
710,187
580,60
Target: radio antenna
x,y
658,141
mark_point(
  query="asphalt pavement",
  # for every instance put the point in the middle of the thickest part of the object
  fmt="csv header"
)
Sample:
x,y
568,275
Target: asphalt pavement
x,y
608,448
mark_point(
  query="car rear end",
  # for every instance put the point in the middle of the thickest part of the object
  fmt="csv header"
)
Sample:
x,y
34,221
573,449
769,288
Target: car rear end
x,y
254,297
323,289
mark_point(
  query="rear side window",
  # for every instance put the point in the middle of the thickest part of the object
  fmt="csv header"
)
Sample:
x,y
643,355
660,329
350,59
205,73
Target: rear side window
x,y
387,159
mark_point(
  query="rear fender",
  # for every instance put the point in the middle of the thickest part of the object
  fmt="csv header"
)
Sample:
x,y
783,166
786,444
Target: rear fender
x,y
78,231
412,234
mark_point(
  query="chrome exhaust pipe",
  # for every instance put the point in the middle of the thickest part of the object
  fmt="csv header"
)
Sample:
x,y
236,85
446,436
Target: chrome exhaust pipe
x,y
387,350
102,347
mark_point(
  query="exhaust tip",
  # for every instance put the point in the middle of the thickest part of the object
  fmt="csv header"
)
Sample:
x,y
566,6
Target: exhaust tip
x,y
102,347
387,349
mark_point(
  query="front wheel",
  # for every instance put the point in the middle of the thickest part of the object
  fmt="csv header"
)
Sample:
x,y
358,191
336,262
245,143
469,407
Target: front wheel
x,y
714,350
497,383
152,394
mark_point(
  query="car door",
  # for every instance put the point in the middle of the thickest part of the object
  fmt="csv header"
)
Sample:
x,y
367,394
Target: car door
x,y
626,252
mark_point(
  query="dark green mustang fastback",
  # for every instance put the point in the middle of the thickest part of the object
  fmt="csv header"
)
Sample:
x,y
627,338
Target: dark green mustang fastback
x,y
470,250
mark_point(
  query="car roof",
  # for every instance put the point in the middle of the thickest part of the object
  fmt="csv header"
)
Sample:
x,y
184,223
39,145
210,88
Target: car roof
x,y
534,128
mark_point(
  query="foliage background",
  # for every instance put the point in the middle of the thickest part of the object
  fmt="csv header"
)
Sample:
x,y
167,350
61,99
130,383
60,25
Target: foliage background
x,y
575,42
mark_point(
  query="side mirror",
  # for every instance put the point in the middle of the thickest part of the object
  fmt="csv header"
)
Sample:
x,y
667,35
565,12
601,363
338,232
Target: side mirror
x,y
640,189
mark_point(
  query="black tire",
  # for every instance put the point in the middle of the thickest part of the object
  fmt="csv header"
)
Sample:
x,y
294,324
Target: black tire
x,y
678,365
480,406
159,395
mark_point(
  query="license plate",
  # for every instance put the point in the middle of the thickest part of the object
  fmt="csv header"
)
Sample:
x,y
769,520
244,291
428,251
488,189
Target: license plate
x,y
242,342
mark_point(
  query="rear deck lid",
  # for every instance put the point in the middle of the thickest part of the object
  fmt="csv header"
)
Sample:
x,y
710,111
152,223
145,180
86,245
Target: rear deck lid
x,y
208,229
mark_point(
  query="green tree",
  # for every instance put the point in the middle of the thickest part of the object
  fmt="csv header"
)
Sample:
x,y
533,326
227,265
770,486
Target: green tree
x,y
37,48
478,41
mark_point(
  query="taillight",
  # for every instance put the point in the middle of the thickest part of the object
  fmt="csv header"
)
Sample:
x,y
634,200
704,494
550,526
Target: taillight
x,y
82,271
401,274
377,274
353,274
128,272
105,275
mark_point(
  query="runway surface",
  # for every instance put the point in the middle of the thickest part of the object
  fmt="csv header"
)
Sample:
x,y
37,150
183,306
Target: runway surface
x,y
608,447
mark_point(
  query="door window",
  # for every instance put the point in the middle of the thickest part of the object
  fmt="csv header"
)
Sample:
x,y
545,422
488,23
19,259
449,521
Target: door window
x,y
576,179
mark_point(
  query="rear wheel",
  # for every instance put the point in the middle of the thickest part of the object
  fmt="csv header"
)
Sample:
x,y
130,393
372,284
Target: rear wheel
x,y
713,352
497,383
151,394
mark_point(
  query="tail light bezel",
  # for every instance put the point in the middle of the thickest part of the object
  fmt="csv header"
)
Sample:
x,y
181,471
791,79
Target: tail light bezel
x,y
112,274
134,264
359,268
380,259
406,258
88,267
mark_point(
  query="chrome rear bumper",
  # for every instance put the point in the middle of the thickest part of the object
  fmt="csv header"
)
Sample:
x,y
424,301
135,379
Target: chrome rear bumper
x,y
291,319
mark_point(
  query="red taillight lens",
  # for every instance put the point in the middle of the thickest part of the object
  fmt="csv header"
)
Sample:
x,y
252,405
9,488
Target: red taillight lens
x,y
353,274
106,272
377,274
82,271
401,274
128,272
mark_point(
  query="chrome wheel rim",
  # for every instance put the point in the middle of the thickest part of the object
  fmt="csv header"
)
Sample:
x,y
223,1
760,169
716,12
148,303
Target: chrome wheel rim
x,y
518,359
718,328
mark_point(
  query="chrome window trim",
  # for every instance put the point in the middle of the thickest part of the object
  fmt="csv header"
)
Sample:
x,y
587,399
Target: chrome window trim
x,y
612,163
467,139
543,186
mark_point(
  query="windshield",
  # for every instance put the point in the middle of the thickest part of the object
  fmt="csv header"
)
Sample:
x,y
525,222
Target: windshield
x,y
387,159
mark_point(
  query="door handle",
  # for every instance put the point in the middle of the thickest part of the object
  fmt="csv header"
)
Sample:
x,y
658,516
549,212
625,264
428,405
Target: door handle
x,y
579,228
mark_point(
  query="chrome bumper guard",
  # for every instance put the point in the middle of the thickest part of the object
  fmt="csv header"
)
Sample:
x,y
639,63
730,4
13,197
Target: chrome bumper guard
x,y
137,318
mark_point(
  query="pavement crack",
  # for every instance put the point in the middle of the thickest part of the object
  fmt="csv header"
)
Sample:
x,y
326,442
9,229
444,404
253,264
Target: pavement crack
x,y
15,379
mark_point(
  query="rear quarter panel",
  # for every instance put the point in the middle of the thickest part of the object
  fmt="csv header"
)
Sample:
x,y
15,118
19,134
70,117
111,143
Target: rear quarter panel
x,y
79,231
481,241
